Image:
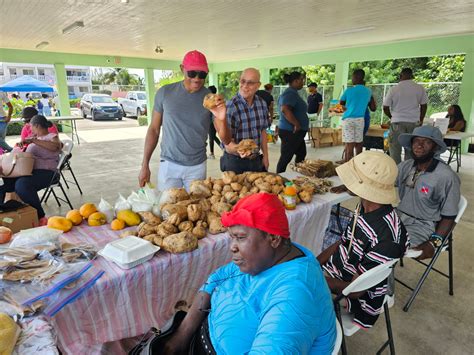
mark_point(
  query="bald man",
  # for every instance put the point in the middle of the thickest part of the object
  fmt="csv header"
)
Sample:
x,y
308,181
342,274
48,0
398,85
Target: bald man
x,y
247,118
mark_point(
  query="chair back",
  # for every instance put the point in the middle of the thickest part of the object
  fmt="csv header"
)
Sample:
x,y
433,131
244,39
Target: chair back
x,y
62,159
461,208
370,278
338,342
67,146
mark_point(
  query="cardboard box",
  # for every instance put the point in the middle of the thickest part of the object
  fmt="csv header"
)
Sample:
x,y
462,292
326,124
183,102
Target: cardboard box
x,y
337,137
23,218
322,137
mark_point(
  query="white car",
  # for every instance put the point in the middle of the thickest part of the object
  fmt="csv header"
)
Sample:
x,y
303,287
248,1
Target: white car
x,y
134,104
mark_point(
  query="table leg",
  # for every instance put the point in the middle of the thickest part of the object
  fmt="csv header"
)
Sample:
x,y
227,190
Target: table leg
x,y
74,130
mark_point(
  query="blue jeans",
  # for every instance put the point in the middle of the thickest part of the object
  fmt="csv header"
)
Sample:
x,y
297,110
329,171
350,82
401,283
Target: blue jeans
x,y
27,187
3,133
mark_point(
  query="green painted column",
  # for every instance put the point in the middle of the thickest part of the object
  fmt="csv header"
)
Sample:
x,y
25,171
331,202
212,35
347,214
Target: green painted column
x,y
150,92
214,79
61,86
340,78
466,98
264,76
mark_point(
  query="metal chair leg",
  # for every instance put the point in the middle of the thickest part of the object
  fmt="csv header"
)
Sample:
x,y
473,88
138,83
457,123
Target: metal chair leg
x,y
66,196
75,180
64,179
388,324
56,197
422,280
450,265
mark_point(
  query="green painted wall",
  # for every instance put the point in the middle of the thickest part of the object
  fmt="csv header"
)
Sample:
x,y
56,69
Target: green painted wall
x,y
402,49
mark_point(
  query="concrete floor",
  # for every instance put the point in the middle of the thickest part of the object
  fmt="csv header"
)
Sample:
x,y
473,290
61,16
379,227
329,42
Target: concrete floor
x,y
107,162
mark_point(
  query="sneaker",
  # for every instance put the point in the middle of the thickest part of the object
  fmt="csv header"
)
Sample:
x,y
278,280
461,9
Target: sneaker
x,y
211,156
43,221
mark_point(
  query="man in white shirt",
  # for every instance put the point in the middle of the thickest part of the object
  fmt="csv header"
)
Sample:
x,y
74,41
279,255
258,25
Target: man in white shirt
x,y
4,119
405,105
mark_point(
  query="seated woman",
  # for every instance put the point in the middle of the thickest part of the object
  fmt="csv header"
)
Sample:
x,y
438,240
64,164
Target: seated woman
x,y
45,148
26,132
271,299
457,123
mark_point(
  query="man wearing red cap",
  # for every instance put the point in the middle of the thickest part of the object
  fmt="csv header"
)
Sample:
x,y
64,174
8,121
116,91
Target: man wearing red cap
x,y
271,299
179,111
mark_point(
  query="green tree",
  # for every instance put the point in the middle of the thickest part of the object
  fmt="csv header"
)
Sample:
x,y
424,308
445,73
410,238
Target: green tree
x,y
229,83
169,78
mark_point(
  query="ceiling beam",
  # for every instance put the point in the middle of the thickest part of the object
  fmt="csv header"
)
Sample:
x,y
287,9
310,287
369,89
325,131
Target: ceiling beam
x,y
41,57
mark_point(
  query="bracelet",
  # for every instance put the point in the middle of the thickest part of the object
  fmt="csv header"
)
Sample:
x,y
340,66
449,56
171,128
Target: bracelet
x,y
436,236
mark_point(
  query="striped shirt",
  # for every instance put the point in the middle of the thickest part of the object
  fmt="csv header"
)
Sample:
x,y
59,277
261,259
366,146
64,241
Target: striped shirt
x,y
247,122
379,237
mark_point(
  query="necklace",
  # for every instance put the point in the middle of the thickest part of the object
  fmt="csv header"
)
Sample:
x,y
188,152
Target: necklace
x,y
283,257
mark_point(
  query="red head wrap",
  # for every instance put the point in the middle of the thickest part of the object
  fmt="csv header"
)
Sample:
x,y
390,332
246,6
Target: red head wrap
x,y
262,211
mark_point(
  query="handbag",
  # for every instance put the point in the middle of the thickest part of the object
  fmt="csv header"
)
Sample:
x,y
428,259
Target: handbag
x,y
16,164
152,342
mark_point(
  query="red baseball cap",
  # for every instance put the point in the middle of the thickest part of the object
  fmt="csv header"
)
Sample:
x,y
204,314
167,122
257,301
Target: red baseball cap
x,y
195,60
262,211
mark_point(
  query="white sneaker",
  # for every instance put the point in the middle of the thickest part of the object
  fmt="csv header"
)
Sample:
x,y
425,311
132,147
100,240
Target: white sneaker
x,y
211,156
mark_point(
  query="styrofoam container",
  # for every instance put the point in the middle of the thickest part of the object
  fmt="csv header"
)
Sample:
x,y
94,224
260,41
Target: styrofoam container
x,y
129,252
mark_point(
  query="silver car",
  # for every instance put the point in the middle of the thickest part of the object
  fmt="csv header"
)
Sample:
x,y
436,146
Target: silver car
x,y
100,107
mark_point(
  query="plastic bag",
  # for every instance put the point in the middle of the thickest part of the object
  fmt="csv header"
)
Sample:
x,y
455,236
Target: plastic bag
x,y
144,199
107,209
35,236
121,204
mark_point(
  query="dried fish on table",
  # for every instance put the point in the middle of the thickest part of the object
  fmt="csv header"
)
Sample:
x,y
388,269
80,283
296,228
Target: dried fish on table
x,y
13,256
318,168
318,185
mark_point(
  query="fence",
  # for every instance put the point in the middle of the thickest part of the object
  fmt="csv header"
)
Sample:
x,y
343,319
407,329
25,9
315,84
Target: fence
x,y
440,96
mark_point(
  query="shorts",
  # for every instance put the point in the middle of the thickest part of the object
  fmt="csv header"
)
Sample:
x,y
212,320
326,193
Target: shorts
x,y
353,130
175,175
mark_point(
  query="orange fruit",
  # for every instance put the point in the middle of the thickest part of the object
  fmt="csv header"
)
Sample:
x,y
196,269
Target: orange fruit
x,y
87,209
117,225
75,217
97,219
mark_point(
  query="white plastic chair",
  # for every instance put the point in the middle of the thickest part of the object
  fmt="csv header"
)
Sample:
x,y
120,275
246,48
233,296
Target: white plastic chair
x,y
364,282
338,342
447,245
67,150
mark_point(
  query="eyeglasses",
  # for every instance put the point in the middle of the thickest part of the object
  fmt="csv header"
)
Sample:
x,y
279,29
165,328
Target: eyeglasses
x,y
411,179
196,73
248,82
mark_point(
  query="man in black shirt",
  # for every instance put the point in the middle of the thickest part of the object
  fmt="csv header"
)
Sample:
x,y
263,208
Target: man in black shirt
x,y
267,96
315,100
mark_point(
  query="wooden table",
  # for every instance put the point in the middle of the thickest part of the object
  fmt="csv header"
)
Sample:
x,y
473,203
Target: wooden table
x,y
70,119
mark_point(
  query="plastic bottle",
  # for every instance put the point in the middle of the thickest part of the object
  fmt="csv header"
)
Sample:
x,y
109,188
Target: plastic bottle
x,y
289,196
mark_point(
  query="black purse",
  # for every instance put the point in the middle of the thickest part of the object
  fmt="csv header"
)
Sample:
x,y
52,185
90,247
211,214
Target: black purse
x,y
153,341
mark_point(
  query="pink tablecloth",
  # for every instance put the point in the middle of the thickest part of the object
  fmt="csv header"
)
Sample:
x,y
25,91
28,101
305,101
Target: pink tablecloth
x,y
126,303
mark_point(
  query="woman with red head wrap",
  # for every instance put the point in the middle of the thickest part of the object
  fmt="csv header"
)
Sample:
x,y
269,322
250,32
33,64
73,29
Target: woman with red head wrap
x,y
271,299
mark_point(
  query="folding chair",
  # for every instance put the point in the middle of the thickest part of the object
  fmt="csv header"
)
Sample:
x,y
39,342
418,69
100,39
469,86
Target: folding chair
x,y
338,342
364,282
67,149
446,245
56,182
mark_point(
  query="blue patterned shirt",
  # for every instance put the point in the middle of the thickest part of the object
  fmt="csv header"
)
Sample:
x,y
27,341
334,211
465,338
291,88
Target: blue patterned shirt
x,y
247,122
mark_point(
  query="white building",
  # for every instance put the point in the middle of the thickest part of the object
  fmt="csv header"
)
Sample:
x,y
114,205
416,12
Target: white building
x,y
78,77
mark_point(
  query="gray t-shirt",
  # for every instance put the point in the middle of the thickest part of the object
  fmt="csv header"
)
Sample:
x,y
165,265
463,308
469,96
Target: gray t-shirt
x,y
434,194
185,124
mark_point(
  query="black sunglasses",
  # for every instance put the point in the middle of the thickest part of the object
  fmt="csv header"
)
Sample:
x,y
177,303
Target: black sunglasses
x,y
193,73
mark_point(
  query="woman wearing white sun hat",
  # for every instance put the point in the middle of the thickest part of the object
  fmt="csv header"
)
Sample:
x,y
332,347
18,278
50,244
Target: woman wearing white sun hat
x,y
374,236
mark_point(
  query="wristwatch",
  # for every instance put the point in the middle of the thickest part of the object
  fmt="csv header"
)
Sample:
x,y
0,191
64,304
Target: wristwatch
x,y
436,240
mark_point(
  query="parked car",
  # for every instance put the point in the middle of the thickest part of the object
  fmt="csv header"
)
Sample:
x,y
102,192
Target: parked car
x,y
100,106
134,104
